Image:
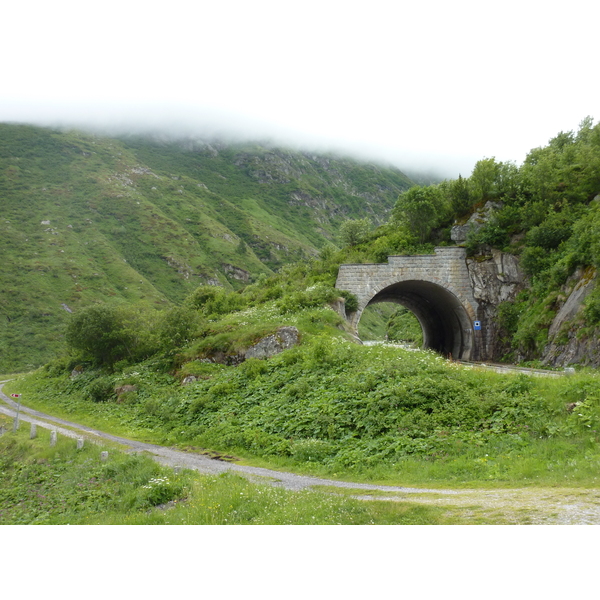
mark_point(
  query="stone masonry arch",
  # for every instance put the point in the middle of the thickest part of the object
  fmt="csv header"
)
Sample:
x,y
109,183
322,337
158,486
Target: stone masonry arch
x,y
436,288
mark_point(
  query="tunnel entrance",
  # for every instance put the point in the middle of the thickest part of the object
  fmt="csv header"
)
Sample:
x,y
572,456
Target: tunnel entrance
x,y
445,323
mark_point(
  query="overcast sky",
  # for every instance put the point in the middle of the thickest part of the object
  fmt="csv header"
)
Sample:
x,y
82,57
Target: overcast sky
x,y
422,84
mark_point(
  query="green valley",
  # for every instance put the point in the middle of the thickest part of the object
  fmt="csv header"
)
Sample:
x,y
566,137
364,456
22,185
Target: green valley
x,y
250,353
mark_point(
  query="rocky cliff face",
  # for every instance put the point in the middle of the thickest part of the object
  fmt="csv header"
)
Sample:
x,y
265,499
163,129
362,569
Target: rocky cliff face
x,y
498,278
495,278
568,342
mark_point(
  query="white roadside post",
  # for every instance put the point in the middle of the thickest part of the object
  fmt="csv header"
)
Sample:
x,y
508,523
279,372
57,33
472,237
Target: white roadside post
x,y
16,421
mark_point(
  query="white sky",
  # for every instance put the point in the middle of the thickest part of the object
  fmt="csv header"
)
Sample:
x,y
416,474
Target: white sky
x,y
423,84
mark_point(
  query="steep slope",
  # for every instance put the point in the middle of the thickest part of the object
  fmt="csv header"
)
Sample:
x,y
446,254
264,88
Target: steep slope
x,y
85,218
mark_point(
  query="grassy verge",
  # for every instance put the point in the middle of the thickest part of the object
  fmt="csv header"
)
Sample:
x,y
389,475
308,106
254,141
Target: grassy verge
x,y
9,376
43,485
63,485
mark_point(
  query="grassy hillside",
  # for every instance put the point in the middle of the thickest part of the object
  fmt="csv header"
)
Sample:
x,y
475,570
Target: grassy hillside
x,y
87,219
325,406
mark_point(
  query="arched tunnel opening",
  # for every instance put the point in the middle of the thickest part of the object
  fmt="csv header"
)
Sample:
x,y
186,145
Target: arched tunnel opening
x,y
445,324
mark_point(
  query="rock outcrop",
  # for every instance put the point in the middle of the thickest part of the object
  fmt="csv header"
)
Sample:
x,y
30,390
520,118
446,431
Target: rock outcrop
x,y
283,339
476,221
496,278
566,344
270,345
236,272
125,391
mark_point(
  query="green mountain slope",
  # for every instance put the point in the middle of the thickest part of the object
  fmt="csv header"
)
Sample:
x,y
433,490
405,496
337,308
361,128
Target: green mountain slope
x,y
85,218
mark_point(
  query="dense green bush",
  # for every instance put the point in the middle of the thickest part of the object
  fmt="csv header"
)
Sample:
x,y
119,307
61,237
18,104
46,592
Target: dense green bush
x,y
101,389
99,332
422,209
313,296
214,300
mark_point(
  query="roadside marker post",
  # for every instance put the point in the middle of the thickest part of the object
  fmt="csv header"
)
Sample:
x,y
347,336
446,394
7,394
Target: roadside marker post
x,y
16,421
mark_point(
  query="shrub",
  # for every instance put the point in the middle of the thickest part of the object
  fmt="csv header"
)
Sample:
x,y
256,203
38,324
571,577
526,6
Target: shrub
x,y
101,389
354,231
534,260
213,300
351,301
311,450
99,332
592,307
508,316
313,296
178,326
550,233
109,334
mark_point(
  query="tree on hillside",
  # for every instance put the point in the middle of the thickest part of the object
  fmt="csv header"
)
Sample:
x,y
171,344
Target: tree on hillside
x,y
99,332
422,209
108,333
460,198
354,231
483,178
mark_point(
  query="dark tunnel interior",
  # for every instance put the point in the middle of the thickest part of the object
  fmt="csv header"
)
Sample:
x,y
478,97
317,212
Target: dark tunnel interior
x,y
445,323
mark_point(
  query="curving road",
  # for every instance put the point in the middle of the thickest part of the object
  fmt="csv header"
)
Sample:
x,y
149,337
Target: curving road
x,y
564,506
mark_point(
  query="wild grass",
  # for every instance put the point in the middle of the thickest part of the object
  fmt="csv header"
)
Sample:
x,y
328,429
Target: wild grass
x,y
60,485
40,484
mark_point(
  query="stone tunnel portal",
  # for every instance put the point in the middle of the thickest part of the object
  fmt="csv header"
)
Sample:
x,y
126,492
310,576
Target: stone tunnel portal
x,y
436,288
445,323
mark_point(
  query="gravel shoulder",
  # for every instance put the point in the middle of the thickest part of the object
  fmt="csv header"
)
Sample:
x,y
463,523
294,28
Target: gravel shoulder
x,y
564,506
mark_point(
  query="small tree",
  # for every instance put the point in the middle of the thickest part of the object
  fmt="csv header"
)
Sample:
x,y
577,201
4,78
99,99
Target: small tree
x,y
484,178
422,209
354,231
99,332
460,198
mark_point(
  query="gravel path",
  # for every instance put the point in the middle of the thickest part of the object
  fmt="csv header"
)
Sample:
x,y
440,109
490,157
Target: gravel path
x,y
564,506
190,460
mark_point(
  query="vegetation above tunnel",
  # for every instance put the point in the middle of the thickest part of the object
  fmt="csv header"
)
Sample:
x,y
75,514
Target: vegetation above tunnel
x,y
546,211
